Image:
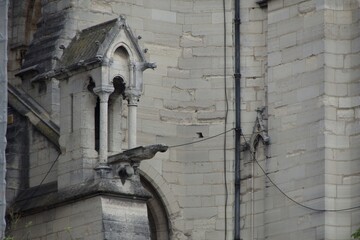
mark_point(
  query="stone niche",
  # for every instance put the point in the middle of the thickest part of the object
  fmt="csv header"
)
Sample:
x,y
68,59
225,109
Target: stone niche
x,y
102,66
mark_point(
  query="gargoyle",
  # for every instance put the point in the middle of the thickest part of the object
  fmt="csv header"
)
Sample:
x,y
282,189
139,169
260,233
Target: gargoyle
x,y
128,161
136,155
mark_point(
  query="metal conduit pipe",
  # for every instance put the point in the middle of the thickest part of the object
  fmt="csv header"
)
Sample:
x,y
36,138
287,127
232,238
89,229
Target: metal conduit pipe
x,y
238,131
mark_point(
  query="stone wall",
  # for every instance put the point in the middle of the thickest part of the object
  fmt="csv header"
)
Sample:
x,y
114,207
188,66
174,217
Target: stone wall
x,y
299,58
311,112
341,121
254,62
43,156
79,220
77,138
17,155
296,113
182,97
30,156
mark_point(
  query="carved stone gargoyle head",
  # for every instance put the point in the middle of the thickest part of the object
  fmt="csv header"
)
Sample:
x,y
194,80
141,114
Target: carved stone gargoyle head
x,y
127,162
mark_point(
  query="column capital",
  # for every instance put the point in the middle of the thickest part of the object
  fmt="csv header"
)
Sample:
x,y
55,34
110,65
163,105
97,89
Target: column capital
x,y
132,96
104,91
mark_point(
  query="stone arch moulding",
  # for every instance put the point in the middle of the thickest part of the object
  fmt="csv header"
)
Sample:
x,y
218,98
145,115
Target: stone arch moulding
x,y
118,81
128,41
163,189
121,45
121,60
117,76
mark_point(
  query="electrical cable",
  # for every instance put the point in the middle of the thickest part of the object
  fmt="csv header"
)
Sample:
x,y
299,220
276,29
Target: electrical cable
x,y
52,165
42,181
174,146
225,125
288,197
202,140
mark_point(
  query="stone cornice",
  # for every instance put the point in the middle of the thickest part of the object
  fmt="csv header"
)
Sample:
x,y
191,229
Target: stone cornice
x,y
42,198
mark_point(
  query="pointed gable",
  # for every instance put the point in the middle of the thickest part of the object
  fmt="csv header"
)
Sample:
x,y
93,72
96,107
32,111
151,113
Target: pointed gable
x,y
93,45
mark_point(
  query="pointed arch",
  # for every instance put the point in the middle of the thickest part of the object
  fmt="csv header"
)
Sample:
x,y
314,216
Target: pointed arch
x,y
115,119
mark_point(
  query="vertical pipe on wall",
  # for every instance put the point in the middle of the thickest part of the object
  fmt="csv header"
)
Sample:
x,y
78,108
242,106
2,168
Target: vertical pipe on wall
x,y
237,120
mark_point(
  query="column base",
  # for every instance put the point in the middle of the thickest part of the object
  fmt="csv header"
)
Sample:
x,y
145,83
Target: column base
x,y
103,171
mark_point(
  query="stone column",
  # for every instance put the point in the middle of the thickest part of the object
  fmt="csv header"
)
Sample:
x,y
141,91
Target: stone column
x,y
132,98
115,120
103,92
133,94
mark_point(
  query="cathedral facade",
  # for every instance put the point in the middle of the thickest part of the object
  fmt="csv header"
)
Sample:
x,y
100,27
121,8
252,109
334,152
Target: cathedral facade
x,y
183,119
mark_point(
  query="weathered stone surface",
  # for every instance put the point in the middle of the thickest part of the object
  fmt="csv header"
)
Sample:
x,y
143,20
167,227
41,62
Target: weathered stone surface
x,y
26,106
125,219
38,199
3,109
299,58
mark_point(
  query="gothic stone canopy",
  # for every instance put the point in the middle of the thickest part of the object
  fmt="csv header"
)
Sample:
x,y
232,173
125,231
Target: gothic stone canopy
x,y
95,46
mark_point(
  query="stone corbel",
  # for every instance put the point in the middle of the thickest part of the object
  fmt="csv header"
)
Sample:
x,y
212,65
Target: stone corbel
x,y
104,91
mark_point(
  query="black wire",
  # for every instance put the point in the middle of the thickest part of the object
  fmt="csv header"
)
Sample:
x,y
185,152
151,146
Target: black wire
x,y
202,140
42,181
52,165
225,127
287,196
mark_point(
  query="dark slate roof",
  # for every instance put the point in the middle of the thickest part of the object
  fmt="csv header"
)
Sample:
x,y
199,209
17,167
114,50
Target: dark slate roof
x,y
86,50
43,48
85,46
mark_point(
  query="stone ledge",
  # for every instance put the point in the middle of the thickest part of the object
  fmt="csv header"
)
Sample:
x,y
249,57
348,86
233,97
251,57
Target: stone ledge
x,y
47,196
